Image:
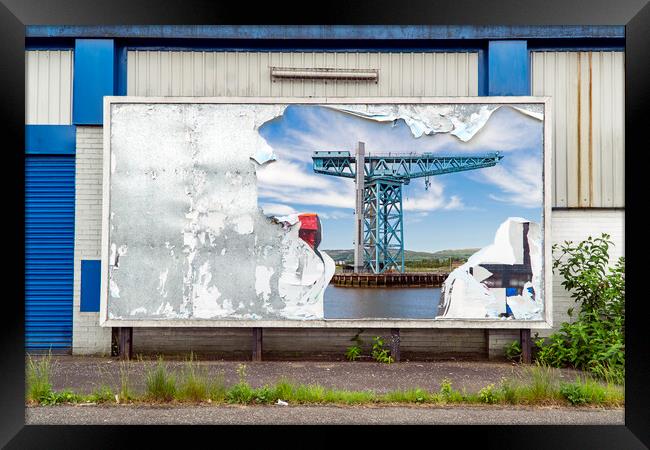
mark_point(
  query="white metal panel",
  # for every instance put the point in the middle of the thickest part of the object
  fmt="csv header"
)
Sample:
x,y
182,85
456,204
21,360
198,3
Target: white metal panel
x,y
48,87
589,140
244,74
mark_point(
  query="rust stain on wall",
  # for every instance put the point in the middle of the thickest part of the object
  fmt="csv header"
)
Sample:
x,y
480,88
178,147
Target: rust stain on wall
x,y
591,130
579,129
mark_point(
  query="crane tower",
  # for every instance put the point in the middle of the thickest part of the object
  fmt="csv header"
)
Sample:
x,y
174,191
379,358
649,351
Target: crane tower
x,y
379,224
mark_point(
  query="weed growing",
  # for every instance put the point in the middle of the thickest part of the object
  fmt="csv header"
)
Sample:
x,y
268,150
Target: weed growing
x,y
379,353
589,391
193,383
125,394
37,380
160,383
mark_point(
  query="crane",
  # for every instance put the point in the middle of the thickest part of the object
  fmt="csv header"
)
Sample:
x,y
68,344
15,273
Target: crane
x,y
379,224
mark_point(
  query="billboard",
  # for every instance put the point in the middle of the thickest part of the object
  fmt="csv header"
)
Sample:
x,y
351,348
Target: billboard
x,y
320,212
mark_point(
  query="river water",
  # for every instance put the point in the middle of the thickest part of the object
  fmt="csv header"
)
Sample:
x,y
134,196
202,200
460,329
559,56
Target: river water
x,y
381,303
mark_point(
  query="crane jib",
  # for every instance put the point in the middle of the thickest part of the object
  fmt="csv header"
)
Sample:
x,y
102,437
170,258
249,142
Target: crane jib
x,y
379,224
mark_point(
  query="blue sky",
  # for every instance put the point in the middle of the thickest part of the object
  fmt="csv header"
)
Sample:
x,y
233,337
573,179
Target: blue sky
x,y
457,211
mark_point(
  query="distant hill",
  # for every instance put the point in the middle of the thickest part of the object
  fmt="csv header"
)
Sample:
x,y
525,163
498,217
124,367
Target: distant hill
x,y
410,255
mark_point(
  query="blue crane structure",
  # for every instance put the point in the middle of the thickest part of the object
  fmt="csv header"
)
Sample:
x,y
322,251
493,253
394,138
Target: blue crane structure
x,y
379,224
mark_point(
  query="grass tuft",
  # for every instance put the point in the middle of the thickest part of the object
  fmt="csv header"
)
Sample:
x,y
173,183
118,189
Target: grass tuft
x,y
39,387
160,383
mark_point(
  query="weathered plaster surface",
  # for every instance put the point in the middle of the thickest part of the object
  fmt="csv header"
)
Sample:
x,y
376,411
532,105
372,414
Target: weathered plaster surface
x,y
187,238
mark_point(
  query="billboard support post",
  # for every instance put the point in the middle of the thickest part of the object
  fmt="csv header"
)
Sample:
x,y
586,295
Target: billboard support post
x,y
394,344
257,344
126,342
524,340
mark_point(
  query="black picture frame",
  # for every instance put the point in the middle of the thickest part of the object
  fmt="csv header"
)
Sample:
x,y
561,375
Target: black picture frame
x,y
634,14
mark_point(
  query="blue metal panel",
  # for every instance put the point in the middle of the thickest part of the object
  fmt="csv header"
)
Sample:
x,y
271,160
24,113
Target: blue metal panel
x,y
49,251
94,62
50,139
346,32
508,68
121,56
90,285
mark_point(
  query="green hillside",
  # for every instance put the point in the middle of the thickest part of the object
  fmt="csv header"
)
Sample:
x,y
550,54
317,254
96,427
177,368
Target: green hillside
x,y
409,255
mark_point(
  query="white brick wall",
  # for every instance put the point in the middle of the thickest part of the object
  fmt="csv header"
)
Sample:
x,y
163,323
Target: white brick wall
x,y
570,225
87,336
576,225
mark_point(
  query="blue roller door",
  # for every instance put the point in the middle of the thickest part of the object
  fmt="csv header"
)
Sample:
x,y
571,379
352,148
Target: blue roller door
x,y
49,251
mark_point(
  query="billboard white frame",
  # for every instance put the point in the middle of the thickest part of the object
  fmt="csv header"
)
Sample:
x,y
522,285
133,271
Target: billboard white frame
x,y
546,323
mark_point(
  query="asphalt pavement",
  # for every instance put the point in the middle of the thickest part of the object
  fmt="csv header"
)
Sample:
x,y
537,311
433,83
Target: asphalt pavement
x,y
84,374
314,415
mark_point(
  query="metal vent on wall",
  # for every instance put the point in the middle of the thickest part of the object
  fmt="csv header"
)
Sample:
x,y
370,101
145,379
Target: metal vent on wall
x,y
324,73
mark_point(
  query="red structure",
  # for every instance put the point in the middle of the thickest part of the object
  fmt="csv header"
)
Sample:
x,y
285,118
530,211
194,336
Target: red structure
x,y
310,230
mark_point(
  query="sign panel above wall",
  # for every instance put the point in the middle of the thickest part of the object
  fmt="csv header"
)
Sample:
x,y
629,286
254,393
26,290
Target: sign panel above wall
x,y
383,212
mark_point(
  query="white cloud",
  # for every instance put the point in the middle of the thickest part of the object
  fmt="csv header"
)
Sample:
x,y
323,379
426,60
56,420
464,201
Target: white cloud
x,y
287,173
521,184
277,209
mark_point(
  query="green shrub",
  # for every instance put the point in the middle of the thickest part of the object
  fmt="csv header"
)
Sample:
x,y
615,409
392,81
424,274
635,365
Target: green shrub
x,y
488,395
57,398
240,393
448,393
379,352
595,341
513,351
589,391
160,384
353,353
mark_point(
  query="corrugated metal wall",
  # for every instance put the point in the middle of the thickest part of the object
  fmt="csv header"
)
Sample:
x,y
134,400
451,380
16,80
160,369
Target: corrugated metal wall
x,y
589,132
48,87
49,250
197,73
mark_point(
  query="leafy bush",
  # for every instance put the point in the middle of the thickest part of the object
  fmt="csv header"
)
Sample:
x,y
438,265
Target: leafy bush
x,y
513,351
240,392
448,393
589,391
488,394
595,341
57,398
574,393
379,353
353,353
